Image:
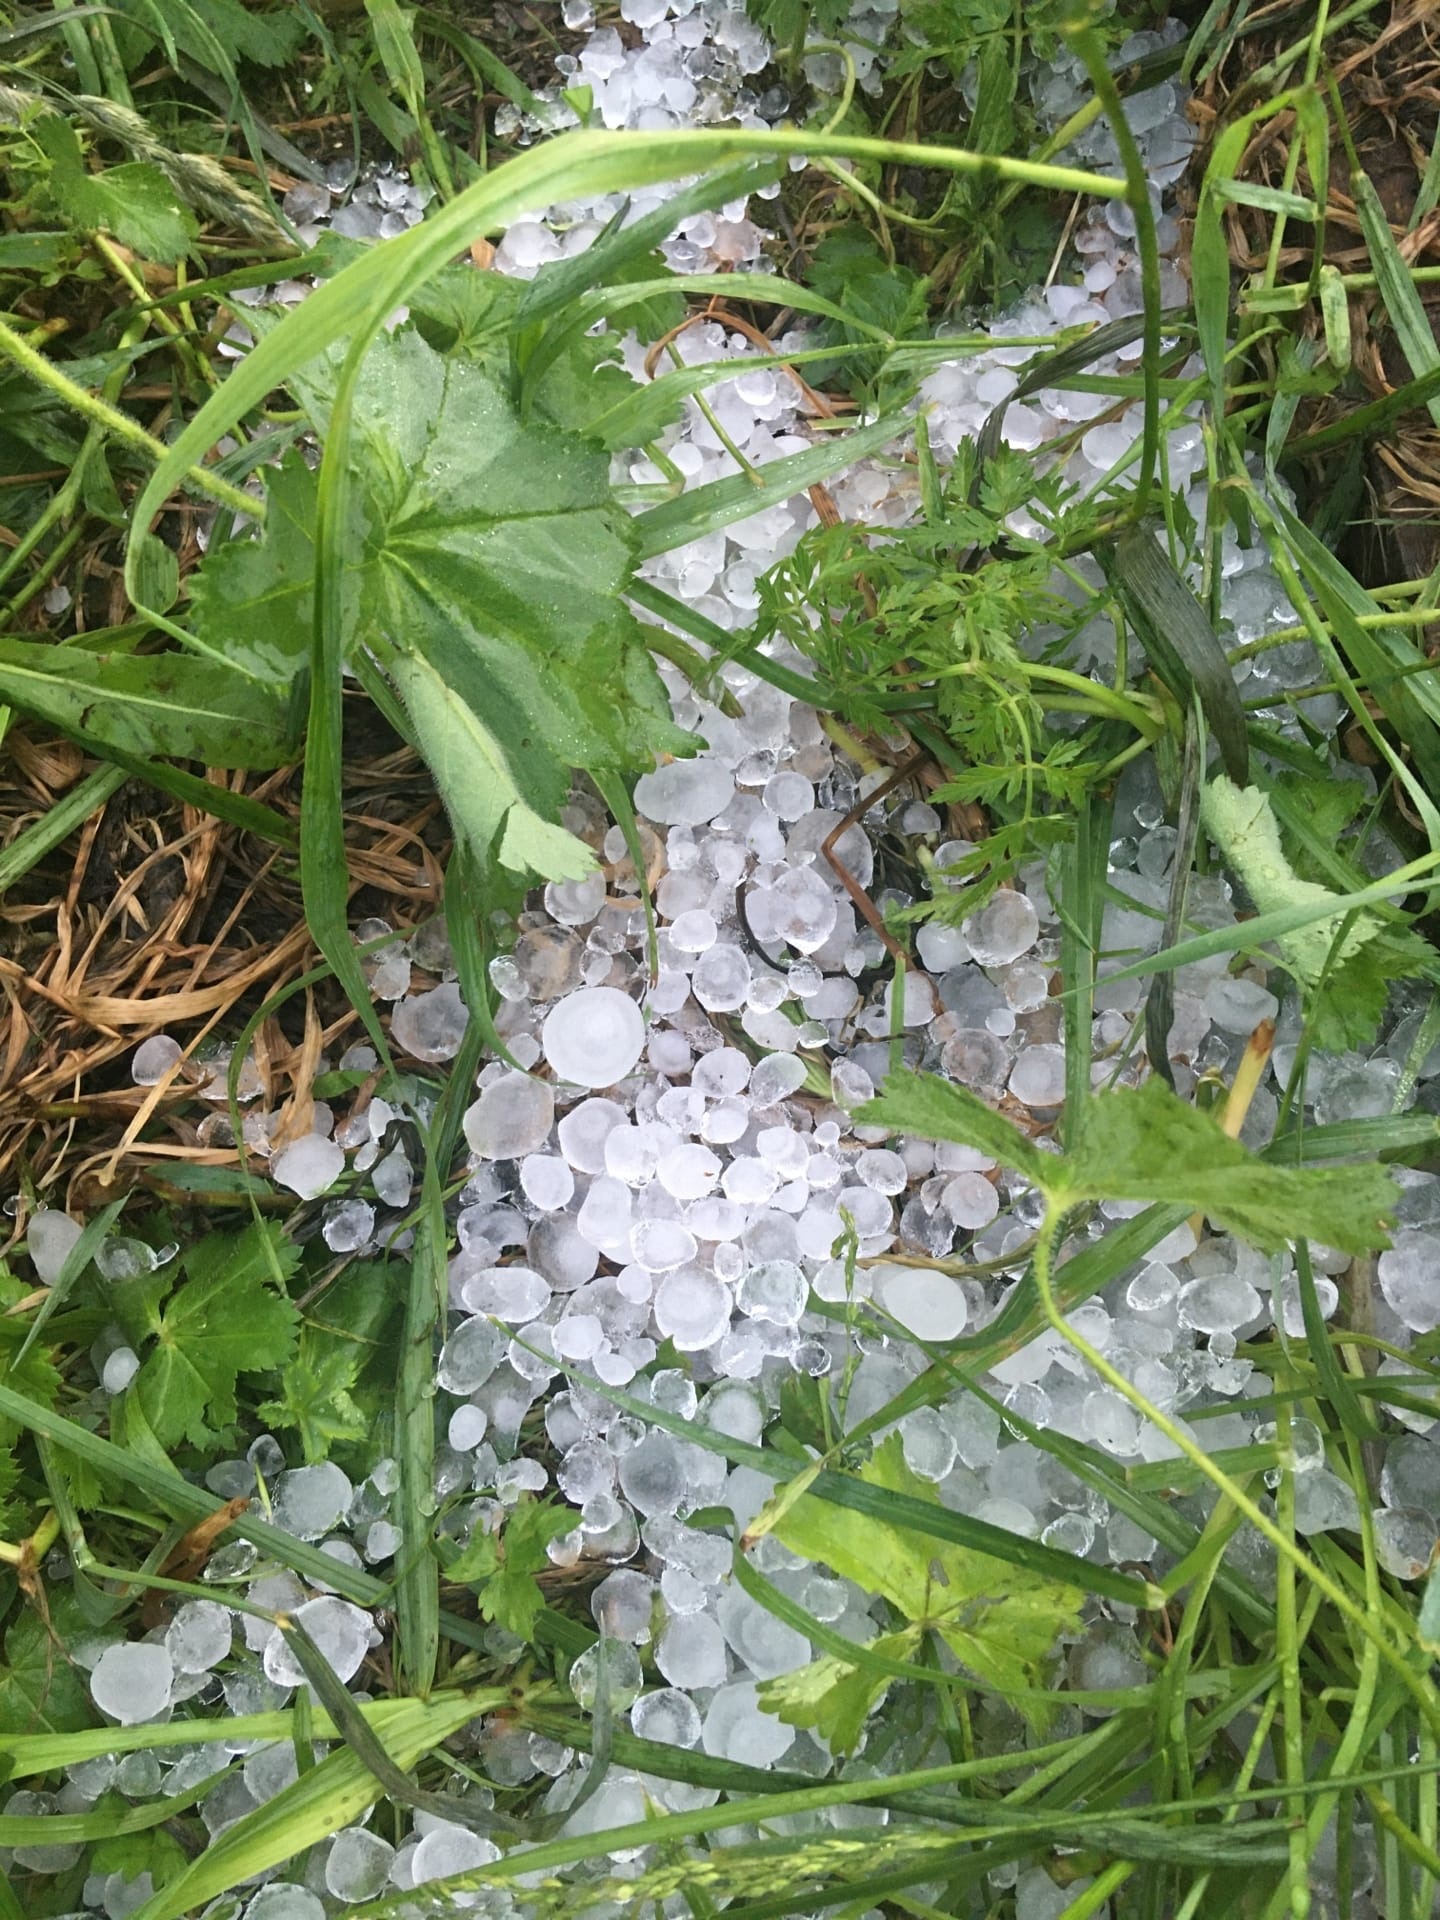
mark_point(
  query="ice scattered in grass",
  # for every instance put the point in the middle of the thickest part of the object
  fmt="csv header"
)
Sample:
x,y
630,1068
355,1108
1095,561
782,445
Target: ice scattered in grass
x,y
49,1239
308,1166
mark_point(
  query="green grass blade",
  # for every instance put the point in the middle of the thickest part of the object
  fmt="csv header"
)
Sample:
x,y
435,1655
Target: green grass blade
x,y
1397,287
1183,646
722,502
317,1805
27,849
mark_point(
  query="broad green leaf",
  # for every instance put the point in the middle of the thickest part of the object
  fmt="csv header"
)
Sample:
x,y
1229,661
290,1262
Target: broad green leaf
x,y
1145,1143
835,1696
480,790
938,1109
40,1691
167,703
486,572
226,1319
253,600
135,202
1004,1618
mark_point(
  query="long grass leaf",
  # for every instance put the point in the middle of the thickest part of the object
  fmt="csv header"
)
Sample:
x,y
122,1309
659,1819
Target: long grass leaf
x,y
1183,646
1397,286
317,1805
706,509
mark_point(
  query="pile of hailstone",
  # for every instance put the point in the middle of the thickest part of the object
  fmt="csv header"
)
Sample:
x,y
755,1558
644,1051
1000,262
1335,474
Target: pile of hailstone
x,y
660,1162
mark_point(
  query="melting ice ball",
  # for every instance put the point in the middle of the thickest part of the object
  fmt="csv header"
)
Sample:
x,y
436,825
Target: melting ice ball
x,y
594,1037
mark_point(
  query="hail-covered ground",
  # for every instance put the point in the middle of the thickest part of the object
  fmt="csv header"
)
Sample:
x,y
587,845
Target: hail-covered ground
x,y
660,1166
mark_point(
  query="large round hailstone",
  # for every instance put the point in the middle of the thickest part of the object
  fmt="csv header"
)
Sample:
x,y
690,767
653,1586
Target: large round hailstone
x,y
930,1305
132,1682
594,1037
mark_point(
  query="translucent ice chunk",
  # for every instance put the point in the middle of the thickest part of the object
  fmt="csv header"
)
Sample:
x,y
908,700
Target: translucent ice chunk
x,y
357,1865
691,1652
310,1500
48,1240
667,1716
685,793
431,1026
931,1305
308,1166
736,1728
511,1118
340,1631
153,1059
692,1309
199,1636
1409,1272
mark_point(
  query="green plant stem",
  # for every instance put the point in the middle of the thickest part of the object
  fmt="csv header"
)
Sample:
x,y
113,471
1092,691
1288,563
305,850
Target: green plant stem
x,y
1137,196
100,414
1287,1646
163,318
68,540
1415,1683
1099,1891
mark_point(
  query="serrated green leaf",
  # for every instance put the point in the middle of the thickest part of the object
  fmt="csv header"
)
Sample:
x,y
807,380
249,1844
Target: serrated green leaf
x,y
486,573
501,1567
1004,1618
315,1399
168,703
1144,1143
227,1319
833,1696
40,1691
938,1109
134,202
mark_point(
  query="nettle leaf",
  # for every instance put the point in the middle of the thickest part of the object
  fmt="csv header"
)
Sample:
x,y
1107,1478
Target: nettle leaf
x,y
227,1318
134,202
1145,1143
1000,1620
938,1109
487,571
